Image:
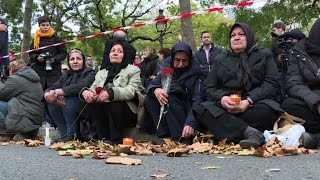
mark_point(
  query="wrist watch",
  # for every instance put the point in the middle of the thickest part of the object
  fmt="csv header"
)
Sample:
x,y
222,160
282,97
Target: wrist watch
x,y
55,94
249,100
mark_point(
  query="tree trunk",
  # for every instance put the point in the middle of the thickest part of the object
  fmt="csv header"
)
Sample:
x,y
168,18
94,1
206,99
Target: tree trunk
x,y
26,29
186,25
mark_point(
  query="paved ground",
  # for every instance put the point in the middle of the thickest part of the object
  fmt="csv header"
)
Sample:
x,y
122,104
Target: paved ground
x,y
19,162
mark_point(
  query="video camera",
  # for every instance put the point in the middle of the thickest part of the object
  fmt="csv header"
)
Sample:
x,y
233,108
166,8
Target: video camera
x,y
46,56
285,41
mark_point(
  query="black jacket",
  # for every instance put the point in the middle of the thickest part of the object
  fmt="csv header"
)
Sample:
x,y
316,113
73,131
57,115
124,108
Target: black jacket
x,y
202,59
3,45
303,76
70,85
59,53
149,67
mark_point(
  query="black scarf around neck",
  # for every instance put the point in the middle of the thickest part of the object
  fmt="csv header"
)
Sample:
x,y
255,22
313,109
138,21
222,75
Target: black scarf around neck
x,y
114,69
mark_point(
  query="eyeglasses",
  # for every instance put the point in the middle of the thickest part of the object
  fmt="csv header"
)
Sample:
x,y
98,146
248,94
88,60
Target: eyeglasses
x,y
178,60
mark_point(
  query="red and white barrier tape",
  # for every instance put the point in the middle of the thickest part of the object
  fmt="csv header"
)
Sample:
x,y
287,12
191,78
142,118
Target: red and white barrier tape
x,y
137,25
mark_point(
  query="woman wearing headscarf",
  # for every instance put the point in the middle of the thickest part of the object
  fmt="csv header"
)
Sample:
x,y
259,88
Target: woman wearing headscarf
x,y
112,95
303,85
63,96
185,91
251,72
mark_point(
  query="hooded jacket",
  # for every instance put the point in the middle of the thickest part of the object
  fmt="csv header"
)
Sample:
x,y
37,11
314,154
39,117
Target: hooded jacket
x,y
252,73
191,79
23,92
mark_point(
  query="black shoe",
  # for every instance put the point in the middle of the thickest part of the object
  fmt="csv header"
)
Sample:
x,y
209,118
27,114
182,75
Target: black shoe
x,y
253,141
65,138
310,141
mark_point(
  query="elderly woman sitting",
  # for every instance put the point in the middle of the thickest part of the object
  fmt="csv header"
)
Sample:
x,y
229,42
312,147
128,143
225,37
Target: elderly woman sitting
x,y
250,72
112,95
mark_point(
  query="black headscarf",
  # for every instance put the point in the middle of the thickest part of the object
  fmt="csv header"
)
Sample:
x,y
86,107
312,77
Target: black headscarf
x,y
114,69
243,69
313,42
181,46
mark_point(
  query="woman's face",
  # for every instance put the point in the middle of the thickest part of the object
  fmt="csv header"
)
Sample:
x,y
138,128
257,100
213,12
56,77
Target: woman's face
x,y
44,27
238,40
116,54
161,56
148,52
137,60
75,61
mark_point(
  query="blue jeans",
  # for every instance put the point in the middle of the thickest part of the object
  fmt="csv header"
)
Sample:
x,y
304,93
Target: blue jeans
x,y
3,113
64,116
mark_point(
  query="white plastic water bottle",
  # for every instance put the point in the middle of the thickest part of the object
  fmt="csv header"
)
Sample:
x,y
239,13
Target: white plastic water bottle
x,y
47,139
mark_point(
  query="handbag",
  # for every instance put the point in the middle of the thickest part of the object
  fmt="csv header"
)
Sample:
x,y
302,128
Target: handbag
x,y
285,122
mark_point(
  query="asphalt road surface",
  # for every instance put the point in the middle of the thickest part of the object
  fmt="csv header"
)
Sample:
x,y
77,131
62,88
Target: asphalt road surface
x,y
20,162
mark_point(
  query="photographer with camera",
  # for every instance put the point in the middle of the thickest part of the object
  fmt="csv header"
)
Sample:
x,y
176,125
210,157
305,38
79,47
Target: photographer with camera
x,y
283,42
47,62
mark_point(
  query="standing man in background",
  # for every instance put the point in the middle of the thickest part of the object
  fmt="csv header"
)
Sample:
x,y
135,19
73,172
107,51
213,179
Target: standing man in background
x,y
4,62
207,52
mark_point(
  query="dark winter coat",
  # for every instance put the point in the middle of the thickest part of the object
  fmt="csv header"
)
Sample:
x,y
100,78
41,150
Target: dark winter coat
x,y
202,58
191,80
224,78
3,45
23,93
59,53
71,85
303,77
149,67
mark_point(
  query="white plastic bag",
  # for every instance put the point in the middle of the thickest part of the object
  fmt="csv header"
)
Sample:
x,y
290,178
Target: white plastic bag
x,y
289,138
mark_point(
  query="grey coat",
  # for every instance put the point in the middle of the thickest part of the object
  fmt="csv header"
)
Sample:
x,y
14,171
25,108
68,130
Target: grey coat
x,y
23,92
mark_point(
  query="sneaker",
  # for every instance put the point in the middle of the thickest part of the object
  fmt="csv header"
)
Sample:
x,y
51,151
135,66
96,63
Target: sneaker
x,y
253,141
310,141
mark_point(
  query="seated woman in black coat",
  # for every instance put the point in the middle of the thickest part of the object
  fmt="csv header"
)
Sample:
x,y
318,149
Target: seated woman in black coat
x,y
250,71
303,85
185,91
62,97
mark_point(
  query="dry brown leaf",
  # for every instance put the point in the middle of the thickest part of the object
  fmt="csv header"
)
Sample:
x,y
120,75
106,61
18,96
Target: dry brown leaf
x,y
123,160
201,147
159,175
170,143
4,143
177,152
246,152
210,167
32,143
292,151
262,152
57,145
100,154
77,155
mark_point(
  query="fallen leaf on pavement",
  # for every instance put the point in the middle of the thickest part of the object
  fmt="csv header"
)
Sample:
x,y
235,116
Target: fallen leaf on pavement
x,y
4,143
32,143
177,152
273,170
201,147
224,157
159,175
210,167
246,152
96,154
77,155
123,160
